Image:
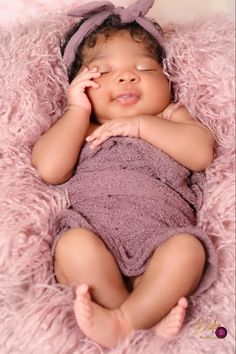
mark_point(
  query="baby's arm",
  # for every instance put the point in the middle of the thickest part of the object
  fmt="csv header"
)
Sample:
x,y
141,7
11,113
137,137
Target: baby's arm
x,y
56,152
186,140
183,138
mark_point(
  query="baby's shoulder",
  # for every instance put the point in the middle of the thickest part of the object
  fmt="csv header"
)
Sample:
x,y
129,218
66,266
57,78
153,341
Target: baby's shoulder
x,y
169,110
177,112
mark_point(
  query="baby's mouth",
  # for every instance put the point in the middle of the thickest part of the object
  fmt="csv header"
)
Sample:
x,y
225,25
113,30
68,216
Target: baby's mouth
x,y
127,98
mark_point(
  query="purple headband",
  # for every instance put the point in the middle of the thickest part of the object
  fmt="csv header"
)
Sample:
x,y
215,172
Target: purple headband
x,y
95,14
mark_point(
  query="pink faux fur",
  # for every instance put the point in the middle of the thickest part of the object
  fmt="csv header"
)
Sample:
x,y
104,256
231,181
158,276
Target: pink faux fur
x,y
36,314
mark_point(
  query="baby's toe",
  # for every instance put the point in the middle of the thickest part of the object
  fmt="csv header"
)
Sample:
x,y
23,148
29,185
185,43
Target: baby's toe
x,y
183,302
81,289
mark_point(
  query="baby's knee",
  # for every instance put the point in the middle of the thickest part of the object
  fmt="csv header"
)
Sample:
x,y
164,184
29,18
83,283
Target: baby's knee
x,y
77,244
193,251
189,249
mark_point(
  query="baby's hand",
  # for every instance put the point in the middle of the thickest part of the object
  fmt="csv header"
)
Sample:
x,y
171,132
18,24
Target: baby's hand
x,y
116,127
76,93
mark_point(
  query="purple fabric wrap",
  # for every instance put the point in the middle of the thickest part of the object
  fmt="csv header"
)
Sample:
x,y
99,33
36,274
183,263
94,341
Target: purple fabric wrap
x,y
96,12
134,197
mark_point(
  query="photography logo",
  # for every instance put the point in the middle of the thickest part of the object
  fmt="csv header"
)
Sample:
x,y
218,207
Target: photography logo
x,y
205,328
221,332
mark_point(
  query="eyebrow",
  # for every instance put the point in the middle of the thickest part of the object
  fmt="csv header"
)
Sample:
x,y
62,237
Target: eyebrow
x,y
95,57
102,56
148,55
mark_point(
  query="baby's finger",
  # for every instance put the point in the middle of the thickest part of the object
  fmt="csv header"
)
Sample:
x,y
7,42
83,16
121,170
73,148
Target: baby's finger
x,y
90,138
96,134
86,71
86,83
86,76
98,141
89,74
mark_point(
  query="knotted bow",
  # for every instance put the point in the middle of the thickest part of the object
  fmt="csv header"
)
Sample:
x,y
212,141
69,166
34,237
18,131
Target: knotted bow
x,y
95,14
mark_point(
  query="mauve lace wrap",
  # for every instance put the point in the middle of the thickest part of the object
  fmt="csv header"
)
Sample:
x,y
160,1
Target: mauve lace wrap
x,y
134,197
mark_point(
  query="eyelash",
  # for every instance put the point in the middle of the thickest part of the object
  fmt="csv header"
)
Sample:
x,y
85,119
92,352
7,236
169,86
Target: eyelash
x,y
107,72
147,70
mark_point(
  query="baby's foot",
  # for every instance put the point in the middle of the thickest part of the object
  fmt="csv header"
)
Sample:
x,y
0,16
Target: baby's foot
x,y
171,324
105,327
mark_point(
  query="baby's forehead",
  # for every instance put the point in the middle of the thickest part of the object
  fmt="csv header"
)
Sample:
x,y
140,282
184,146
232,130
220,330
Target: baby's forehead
x,y
104,48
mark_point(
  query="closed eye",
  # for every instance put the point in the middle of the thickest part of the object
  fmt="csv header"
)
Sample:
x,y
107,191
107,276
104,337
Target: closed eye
x,y
147,69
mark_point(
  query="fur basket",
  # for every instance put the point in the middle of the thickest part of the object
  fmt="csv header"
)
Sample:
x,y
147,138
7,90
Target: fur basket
x,y
36,314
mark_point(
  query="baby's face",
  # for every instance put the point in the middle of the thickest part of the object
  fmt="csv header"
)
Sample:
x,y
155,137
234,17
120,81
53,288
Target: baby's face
x,y
131,83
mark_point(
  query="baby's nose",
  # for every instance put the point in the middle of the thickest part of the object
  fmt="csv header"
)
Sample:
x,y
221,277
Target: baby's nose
x,y
128,76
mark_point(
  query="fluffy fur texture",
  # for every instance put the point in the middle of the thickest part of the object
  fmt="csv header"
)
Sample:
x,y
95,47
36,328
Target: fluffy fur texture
x,y
36,314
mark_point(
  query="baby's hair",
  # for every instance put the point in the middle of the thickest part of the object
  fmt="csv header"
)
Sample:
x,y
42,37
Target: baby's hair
x,y
109,28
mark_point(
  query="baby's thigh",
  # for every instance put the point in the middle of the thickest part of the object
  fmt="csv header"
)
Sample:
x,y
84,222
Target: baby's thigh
x,y
76,251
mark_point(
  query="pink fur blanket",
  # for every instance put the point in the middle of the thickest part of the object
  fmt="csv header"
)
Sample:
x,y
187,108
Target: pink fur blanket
x,y
36,314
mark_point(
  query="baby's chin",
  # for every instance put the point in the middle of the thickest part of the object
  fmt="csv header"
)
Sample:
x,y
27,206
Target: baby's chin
x,y
127,115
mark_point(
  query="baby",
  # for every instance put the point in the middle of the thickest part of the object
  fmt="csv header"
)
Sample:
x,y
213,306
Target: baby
x,y
129,242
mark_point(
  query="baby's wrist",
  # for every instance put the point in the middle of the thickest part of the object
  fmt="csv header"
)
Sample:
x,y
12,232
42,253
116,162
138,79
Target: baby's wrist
x,y
81,109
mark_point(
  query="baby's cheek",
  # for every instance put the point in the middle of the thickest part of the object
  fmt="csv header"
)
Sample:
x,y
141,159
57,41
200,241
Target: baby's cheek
x,y
92,93
97,101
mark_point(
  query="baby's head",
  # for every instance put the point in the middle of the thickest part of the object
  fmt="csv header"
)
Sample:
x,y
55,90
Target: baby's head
x,y
110,27
129,58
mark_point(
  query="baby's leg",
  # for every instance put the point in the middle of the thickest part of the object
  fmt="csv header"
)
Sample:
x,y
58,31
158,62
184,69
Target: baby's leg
x,y
173,272
81,257
171,324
